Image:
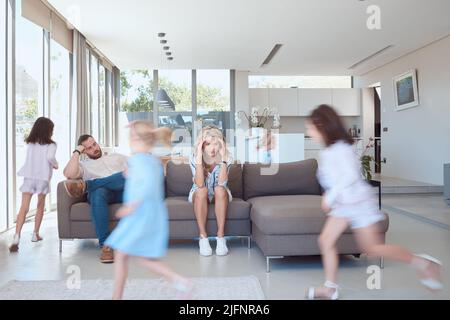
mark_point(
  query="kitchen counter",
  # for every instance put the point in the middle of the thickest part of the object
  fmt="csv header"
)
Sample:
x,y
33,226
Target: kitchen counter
x,y
288,147
308,138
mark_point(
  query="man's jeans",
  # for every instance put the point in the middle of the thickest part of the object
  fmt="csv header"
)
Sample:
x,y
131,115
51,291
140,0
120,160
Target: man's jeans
x,y
101,193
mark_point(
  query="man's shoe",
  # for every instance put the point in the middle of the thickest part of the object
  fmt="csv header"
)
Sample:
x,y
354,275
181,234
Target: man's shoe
x,y
75,188
107,255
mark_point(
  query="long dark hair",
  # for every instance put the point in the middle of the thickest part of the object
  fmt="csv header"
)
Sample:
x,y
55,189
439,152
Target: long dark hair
x,y
41,132
330,125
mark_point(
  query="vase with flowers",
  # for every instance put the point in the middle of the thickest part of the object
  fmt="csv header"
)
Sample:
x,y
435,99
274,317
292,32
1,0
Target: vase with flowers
x,y
258,119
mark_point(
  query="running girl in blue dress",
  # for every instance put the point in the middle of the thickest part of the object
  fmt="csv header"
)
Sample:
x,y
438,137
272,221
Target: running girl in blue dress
x,y
143,230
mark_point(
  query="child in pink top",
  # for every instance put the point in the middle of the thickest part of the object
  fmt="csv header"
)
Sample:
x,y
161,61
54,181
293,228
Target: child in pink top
x,y
36,173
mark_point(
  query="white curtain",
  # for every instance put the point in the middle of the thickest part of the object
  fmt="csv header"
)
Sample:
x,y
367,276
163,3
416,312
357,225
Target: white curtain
x,y
81,112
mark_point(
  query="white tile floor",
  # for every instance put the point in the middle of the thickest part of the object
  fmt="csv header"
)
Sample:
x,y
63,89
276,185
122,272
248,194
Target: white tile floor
x,y
398,182
391,185
288,279
428,206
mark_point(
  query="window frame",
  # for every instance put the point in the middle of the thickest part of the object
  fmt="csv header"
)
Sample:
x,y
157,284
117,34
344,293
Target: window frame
x,y
8,165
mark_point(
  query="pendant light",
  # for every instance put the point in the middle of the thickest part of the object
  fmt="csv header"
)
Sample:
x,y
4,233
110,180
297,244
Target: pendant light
x,y
162,97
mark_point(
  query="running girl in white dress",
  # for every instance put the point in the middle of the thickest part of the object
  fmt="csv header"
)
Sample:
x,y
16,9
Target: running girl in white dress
x,y
348,200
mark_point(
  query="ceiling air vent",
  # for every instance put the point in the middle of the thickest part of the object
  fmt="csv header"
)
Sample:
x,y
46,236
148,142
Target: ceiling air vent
x,y
272,53
371,56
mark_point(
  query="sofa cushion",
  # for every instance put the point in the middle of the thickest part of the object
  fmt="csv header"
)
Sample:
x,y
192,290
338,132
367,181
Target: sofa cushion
x,y
296,214
181,209
81,211
179,180
293,178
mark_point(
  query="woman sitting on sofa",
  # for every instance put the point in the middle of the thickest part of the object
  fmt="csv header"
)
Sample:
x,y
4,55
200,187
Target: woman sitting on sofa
x,y
210,165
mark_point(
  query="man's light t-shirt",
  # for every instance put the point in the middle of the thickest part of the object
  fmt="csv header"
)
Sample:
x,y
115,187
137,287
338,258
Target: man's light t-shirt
x,y
103,167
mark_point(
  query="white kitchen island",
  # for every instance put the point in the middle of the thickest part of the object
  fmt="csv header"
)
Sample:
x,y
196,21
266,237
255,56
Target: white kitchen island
x,y
288,147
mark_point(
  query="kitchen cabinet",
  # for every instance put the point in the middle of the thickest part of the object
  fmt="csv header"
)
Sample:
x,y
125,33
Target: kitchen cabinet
x,y
300,102
347,101
285,100
308,99
258,97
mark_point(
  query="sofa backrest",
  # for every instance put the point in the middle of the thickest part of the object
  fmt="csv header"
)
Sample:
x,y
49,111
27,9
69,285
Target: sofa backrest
x,y
294,178
179,180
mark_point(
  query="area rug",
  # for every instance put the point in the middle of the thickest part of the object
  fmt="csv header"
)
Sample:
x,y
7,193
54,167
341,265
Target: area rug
x,y
224,288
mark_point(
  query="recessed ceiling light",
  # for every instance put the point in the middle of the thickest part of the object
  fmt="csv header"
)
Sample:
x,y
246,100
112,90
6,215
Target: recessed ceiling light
x,y
272,53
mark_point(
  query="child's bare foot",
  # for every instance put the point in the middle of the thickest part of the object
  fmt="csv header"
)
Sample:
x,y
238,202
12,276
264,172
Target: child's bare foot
x,y
36,237
185,289
14,247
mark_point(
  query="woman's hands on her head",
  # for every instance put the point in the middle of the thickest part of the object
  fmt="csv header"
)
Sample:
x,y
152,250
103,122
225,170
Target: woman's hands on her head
x,y
223,150
199,151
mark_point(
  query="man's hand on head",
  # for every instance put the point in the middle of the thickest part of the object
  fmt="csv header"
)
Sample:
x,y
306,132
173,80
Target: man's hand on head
x,y
80,148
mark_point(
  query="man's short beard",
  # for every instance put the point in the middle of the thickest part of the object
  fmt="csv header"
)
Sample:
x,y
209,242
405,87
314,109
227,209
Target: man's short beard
x,y
96,157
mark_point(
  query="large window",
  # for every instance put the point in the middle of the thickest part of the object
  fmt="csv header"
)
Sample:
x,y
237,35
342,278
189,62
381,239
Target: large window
x,y
300,81
98,103
109,116
35,80
3,126
174,100
177,114
29,85
59,108
102,105
136,101
137,92
213,98
94,98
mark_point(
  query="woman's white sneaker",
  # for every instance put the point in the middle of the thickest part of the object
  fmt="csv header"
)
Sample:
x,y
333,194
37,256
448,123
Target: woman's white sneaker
x,y
205,248
221,249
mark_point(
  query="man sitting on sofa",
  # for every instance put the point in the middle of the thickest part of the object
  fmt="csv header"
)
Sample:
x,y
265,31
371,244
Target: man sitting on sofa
x,y
100,175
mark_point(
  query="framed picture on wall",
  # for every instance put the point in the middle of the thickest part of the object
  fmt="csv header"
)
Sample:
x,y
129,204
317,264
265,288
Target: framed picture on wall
x,y
405,90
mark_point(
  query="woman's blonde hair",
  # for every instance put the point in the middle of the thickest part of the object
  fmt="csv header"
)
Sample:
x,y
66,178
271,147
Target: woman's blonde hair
x,y
210,131
149,135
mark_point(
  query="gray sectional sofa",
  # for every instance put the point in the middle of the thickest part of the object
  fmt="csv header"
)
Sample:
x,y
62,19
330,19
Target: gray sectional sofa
x,y
280,212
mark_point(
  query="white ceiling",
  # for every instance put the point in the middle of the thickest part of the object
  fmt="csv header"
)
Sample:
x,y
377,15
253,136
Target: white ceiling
x,y
319,37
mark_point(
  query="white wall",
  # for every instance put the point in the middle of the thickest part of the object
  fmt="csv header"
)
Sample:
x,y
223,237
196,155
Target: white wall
x,y
418,141
368,119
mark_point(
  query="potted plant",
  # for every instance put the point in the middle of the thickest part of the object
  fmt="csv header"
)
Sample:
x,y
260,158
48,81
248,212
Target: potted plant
x,y
366,161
